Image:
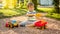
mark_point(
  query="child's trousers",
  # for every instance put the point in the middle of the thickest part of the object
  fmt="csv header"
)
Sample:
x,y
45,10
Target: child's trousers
x,y
27,22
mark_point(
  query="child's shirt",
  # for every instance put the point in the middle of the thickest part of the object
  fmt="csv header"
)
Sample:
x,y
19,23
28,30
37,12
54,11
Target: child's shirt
x,y
31,12
32,18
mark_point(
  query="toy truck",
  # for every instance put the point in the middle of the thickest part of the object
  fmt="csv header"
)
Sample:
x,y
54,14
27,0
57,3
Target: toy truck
x,y
40,24
12,24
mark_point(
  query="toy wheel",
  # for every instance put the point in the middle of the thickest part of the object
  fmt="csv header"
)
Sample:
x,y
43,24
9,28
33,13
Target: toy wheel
x,y
11,26
45,27
22,25
17,25
42,27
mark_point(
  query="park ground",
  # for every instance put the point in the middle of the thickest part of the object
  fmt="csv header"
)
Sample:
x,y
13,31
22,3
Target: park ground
x,y
53,27
16,11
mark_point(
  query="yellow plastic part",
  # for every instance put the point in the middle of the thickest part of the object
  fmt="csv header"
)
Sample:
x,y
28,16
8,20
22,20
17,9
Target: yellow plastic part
x,y
38,15
15,24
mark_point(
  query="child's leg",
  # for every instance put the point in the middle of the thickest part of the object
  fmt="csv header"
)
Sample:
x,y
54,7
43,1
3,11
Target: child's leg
x,y
31,25
22,24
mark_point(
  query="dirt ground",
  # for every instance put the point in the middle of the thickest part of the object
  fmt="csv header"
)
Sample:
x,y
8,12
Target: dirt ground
x,y
53,27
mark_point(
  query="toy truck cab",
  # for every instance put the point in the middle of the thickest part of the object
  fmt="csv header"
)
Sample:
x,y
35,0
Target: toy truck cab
x,y
15,24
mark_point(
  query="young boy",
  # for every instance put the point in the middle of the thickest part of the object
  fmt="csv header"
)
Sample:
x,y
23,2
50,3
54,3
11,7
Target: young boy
x,y
31,11
30,14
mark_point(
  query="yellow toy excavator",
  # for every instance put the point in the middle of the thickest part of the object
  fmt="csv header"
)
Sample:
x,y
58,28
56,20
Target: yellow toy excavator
x,y
38,15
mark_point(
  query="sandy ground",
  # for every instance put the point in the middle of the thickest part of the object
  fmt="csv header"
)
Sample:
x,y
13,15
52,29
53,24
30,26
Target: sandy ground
x,y
53,27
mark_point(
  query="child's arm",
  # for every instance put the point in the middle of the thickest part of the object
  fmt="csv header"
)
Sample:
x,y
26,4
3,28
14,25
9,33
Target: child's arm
x,y
30,14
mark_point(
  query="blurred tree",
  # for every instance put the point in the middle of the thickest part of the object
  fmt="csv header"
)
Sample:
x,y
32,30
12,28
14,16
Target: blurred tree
x,y
56,6
5,3
9,3
13,3
35,4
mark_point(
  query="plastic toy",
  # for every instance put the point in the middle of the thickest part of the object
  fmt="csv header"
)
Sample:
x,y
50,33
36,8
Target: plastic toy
x,y
38,15
7,24
13,21
12,24
40,24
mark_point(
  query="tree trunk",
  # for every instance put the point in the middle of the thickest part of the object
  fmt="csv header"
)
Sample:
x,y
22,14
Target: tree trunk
x,y
5,3
35,4
56,6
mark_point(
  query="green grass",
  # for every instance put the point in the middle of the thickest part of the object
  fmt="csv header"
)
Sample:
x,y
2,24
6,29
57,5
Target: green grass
x,y
21,11
11,12
53,15
45,9
18,12
50,12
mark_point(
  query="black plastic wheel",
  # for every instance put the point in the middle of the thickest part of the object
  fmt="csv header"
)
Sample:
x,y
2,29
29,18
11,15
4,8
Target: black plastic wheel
x,y
17,25
45,27
11,26
22,25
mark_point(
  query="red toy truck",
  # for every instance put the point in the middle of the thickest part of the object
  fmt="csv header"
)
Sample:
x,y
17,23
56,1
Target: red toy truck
x,y
40,24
